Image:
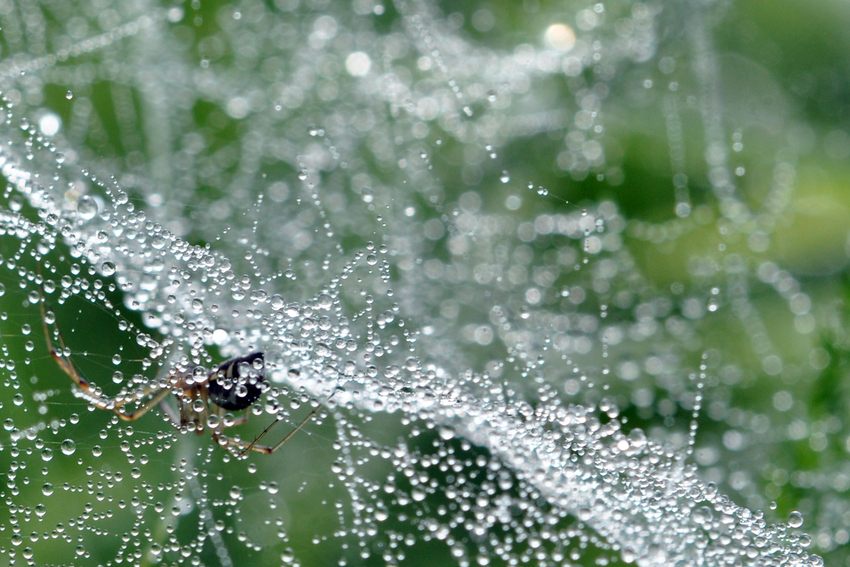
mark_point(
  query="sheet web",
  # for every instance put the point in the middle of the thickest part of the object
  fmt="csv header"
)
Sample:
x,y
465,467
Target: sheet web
x,y
424,218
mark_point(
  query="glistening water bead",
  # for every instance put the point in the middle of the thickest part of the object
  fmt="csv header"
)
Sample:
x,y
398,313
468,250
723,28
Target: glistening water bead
x,y
86,208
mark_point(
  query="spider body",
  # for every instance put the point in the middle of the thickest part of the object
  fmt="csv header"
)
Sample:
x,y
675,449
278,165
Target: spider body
x,y
237,383
233,386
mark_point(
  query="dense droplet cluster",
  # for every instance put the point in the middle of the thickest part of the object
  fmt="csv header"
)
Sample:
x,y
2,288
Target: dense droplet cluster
x,y
497,376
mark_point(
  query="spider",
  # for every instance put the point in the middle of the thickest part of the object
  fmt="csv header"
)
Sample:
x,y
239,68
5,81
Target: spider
x,y
233,386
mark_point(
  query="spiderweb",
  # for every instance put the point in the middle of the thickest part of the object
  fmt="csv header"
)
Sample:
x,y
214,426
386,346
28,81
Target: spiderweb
x,y
425,217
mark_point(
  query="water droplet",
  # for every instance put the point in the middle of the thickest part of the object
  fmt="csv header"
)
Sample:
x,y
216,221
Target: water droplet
x,y
325,301
368,194
86,208
795,519
69,94
68,447
47,489
107,268
505,177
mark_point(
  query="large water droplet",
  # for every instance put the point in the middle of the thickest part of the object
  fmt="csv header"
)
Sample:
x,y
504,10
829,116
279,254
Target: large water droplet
x,y
86,208
795,519
68,447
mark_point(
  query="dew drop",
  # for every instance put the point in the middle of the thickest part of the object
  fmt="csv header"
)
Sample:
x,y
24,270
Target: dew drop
x,y
86,208
795,519
68,447
47,489
107,268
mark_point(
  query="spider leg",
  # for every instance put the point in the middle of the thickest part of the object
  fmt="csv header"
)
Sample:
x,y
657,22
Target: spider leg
x,y
116,405
85,391
242,419
161,394
269,449
64,363
173,416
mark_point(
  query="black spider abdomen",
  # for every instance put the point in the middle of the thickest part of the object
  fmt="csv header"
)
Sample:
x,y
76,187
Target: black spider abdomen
x,y
236,384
